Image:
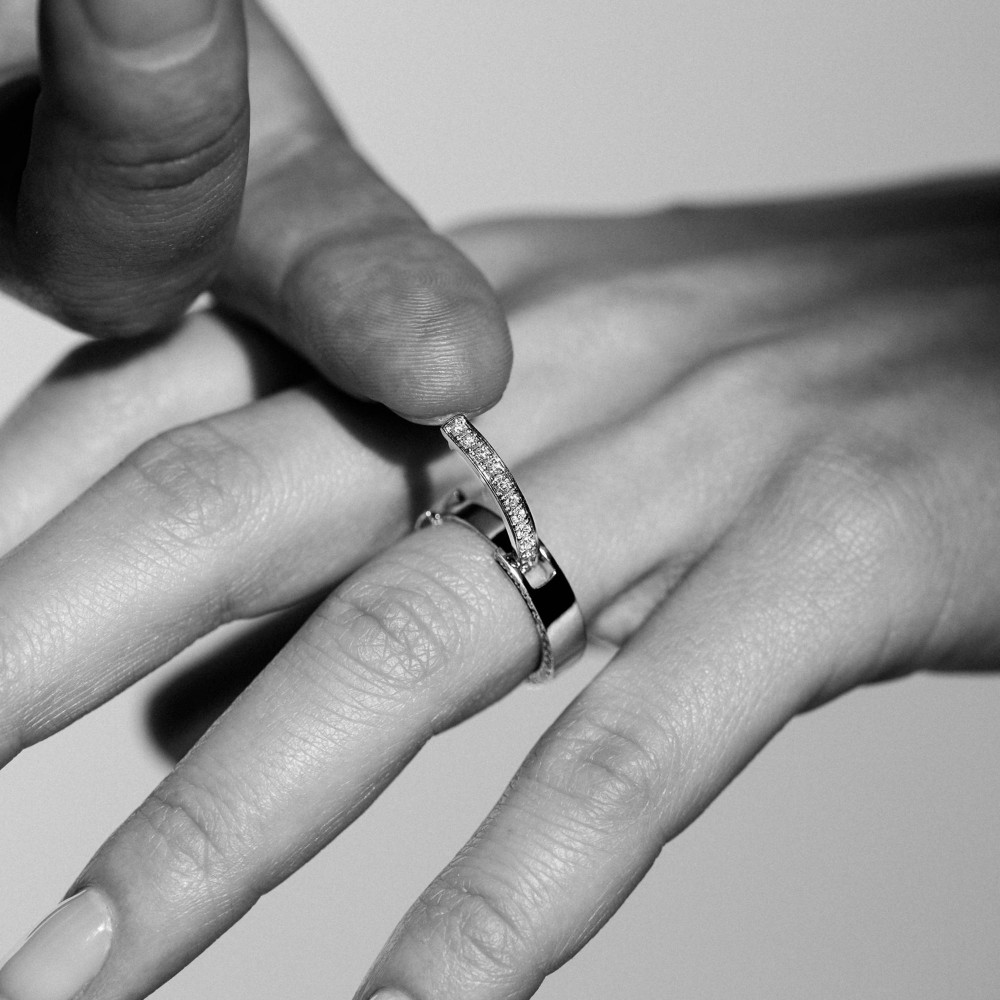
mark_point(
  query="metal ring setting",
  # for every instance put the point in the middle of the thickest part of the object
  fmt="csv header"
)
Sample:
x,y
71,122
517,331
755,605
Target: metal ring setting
x,y
517,549
490,467
551,602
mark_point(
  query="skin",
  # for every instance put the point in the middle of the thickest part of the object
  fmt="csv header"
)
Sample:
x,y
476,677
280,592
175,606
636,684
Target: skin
x,y
799,406
132,179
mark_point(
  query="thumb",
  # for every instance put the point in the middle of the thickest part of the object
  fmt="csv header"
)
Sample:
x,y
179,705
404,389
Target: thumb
x,y
134,176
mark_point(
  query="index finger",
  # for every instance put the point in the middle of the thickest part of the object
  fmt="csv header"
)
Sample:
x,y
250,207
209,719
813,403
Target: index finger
x,y
333,260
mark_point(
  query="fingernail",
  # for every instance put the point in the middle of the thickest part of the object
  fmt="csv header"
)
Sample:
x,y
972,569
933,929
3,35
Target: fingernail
x,y
132,24
63,953
391,994
425,421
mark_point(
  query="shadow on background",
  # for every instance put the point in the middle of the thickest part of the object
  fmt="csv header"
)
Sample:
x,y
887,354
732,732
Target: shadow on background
x,y
181,711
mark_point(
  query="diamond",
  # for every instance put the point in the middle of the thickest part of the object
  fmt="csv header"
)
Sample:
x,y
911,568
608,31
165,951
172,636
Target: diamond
x,y
492,470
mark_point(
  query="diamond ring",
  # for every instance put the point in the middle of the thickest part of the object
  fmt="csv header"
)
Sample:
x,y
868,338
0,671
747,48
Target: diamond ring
x,y
517,549
490,467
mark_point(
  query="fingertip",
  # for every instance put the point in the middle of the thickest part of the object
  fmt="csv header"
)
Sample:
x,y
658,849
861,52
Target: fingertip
x,y
64,953
451,353
404,320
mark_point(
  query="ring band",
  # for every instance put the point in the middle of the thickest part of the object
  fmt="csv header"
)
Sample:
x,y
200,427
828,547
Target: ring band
x,y
551,602
517,549
489,466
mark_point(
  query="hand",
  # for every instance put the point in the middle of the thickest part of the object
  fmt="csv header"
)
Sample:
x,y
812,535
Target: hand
x,y
763,443
131,180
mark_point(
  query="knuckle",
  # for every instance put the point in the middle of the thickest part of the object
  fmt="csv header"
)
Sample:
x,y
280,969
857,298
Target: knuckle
x,y
191,832
143,231
746,383
478,926
859,510
188,157
607,768
399,631
203,483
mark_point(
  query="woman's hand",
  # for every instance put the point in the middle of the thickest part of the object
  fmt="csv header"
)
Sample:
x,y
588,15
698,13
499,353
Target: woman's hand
x,y
131,179
764,444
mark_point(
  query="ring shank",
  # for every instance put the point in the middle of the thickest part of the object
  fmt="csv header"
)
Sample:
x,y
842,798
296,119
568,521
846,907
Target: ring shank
x,y
548,595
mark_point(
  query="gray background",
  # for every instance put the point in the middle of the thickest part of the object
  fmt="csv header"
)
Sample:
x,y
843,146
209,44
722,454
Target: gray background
x,y
859,855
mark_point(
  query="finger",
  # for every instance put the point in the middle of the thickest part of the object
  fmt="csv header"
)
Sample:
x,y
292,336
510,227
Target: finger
x,y
250,511
426,634
332,259
106,399
344,722
232,517
131,190
18,38
792,607
518,255
180,711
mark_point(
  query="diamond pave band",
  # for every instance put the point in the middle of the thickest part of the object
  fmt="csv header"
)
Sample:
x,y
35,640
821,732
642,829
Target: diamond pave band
x,y
490,468
517,549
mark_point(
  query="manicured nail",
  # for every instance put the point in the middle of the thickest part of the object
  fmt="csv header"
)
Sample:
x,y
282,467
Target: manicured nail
x,y
63,953
390,994
138,23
